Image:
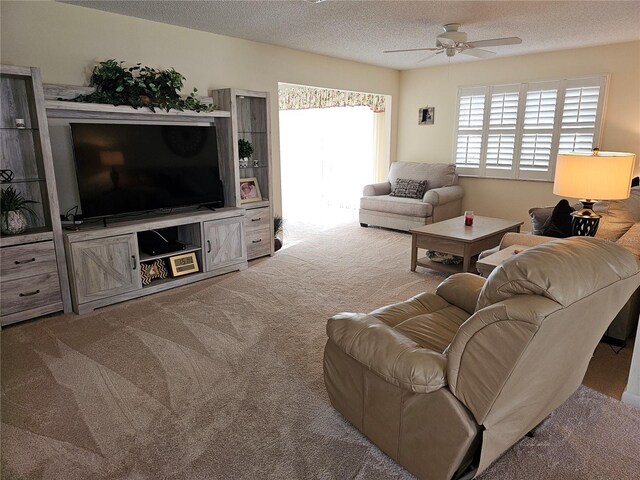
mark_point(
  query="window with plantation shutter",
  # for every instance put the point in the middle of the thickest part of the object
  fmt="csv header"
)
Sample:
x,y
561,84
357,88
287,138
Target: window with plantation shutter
x,y
579,117
537,135
501,134
470,125
516,131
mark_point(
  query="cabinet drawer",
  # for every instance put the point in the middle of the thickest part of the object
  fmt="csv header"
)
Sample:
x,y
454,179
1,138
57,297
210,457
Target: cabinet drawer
x,y
21,261
30,292
256,218
258,243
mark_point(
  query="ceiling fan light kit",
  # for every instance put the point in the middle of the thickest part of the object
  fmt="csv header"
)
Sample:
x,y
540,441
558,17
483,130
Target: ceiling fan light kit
x,y
453,41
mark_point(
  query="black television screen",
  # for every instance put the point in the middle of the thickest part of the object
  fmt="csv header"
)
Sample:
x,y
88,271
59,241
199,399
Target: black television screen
x,y
135,168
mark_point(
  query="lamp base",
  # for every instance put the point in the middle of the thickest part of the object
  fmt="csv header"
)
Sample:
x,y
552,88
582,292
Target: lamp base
x,y
585,221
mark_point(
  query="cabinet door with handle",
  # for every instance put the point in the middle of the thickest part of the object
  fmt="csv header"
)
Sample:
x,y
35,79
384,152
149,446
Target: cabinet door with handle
x,y
224,242
105,267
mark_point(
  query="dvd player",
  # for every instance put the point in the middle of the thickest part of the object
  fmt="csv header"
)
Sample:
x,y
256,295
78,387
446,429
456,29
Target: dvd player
x,y
161,248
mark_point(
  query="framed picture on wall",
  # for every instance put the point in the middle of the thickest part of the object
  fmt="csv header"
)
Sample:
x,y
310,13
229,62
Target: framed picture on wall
x,y
249,190
426,115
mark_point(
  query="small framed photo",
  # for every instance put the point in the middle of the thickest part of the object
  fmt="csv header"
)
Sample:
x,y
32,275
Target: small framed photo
x,y
183,264
249,190
426,116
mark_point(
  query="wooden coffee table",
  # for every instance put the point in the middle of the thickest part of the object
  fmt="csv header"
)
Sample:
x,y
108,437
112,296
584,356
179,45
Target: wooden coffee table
x,y
453,237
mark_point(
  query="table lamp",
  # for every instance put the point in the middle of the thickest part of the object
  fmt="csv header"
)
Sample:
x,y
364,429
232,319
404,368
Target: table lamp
x,y
592,176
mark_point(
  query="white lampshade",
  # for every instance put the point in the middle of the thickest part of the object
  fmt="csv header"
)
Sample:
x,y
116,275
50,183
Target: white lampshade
x,y
596,176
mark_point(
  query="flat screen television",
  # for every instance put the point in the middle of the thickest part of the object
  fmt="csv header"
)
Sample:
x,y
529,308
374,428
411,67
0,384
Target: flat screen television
x,y
130,168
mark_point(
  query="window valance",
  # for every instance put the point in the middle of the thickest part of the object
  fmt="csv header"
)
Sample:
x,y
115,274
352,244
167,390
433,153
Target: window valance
x,y
299,98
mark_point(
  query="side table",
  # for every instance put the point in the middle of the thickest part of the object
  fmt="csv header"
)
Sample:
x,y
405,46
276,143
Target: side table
x,y
489,263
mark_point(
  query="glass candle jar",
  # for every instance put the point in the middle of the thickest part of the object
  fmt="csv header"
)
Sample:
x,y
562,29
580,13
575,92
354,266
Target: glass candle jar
x,y
468,218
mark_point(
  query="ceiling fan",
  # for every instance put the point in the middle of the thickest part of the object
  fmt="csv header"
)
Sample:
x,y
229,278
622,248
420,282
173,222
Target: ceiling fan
x,y
452,41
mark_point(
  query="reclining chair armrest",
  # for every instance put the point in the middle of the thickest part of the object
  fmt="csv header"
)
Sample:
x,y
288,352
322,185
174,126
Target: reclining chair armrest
x,y
442,195
526,239
388,353
376,189
462,290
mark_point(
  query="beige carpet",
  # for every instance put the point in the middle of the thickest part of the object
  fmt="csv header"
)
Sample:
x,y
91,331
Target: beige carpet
x,y
223,379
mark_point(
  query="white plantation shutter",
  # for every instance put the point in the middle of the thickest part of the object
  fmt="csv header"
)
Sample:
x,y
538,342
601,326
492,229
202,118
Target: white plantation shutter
x,y
501,136
536,149
580,119
470,124
516,131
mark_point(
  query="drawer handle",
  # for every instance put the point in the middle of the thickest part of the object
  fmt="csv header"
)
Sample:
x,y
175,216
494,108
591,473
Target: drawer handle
x,y
30,294
256,219
256,241
134,263
22,262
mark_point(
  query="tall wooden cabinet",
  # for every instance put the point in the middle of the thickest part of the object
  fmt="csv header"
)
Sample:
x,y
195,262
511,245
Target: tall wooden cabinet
x,y
33,268
250,121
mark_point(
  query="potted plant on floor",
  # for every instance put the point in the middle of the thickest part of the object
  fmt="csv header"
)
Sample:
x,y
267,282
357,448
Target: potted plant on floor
x,y
277,228
12,207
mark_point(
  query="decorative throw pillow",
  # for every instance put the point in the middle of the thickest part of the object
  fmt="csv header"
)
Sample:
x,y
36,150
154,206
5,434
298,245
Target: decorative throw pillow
x,y
409,188
539,217
618,215
559,223
631,240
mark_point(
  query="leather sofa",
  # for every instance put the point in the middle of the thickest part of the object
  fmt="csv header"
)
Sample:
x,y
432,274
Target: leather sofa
x,y
442,200
620,223
445,382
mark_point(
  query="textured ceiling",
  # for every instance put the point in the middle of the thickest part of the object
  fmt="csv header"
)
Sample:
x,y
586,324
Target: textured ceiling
x,y
361,30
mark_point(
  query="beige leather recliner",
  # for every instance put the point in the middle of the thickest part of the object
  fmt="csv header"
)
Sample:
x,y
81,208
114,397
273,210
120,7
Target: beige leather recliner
x,y
466,372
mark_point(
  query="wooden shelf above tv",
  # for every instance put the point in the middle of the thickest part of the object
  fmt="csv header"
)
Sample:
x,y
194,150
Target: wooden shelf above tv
x,y
58,106
64,109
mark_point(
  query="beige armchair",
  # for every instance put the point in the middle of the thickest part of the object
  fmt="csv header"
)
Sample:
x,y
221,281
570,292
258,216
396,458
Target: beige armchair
x,y
442,200
445,383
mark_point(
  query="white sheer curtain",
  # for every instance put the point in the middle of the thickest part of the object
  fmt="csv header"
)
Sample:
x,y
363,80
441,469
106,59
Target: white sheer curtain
x,y
327,155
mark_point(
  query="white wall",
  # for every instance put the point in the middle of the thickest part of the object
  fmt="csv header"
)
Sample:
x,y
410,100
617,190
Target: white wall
x,y
437,86
66,41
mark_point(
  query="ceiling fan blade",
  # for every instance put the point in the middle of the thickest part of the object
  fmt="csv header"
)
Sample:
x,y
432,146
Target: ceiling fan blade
x,y
430,56
494,42
411,50
478,52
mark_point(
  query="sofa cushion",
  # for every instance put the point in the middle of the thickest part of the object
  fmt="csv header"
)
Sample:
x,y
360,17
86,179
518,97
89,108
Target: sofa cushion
x,y
409,188
631,240
438,174
618,216
434,330
398,205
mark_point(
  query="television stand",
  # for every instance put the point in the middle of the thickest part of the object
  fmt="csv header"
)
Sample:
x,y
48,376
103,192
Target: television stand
x,y
105,263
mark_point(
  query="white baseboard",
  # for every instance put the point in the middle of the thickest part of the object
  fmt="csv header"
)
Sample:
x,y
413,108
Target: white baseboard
x,y
631,398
